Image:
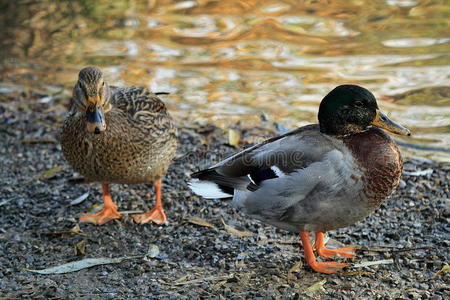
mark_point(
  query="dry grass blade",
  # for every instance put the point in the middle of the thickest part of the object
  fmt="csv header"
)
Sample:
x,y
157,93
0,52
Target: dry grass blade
x,y
238,233
356,273
200,222
374,263
50,173
81,264
199,280
3,202
128,212
75,230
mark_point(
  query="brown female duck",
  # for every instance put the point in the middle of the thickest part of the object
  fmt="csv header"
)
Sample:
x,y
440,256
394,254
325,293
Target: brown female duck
x,y
315,178
122,135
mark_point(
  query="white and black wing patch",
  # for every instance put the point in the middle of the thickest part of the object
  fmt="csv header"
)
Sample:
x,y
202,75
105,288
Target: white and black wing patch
x,y
259,175
212,185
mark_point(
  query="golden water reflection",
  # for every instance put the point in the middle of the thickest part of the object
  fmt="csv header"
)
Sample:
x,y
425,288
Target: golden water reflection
x,y
225,61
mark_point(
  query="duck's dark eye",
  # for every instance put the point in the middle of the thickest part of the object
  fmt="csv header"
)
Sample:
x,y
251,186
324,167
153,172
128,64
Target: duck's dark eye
x,y
359,104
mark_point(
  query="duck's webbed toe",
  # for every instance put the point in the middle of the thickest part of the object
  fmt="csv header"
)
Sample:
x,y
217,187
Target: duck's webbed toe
x,y
102,217
155,215
325,252
328,267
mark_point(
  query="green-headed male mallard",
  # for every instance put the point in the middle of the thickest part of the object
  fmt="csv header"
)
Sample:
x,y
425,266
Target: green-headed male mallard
x,y
121,135
315,178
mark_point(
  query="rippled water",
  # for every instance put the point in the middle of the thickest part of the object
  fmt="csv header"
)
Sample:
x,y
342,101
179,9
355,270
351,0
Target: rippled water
x,y
225,61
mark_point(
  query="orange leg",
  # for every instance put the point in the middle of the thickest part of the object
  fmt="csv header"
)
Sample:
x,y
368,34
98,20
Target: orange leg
x,y
325,252
323,267
108,213
156,214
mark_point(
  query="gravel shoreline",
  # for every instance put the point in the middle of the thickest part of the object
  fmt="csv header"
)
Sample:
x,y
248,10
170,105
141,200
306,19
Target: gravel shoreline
x,y
195,255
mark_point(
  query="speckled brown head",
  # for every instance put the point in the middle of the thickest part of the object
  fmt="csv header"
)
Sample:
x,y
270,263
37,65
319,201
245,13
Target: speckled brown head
x,y
91,95
350,109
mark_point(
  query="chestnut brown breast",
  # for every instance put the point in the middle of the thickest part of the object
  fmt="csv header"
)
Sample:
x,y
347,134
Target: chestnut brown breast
x,y
379,158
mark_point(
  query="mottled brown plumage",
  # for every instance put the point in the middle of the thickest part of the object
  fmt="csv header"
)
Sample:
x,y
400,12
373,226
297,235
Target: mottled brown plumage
x,y
139,139
137,146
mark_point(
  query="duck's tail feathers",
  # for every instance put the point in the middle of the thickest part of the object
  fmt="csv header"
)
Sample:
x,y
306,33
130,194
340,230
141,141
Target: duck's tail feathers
x,y
212,185
209,189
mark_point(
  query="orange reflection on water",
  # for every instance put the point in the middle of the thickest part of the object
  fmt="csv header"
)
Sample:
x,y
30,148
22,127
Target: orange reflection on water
x,y
225,61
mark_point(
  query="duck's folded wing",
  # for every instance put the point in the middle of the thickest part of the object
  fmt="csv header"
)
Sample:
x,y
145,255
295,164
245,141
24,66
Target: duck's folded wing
x,y
144,111
271,159
135,100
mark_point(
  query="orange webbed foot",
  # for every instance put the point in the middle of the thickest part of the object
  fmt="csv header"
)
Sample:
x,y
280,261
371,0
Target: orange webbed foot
x,y
328,267
325,252
102,217
155,215
318,266
344,252
108,213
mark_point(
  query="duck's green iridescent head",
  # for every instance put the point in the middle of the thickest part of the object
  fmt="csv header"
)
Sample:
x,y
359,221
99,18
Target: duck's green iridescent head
x,y
351,109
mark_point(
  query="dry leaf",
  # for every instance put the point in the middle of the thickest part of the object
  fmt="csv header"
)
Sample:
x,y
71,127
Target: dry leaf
x,y
200,222
80,248
79,199
296,268
233,138
81,264
444,269
75,230
233,231
318,286
49,173
153,251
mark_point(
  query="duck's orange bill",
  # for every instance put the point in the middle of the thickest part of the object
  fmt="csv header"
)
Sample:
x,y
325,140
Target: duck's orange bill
x,y
382,121
94,100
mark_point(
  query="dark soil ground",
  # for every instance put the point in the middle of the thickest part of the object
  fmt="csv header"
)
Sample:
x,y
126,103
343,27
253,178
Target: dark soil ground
x,y
182,260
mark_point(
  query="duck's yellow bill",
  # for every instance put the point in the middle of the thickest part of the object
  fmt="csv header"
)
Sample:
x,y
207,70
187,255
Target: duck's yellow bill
x,y
382,121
